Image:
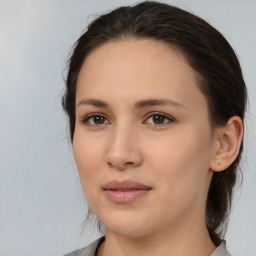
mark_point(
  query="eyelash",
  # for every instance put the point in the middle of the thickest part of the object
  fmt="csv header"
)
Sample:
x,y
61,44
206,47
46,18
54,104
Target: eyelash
x,y
86,119
169,119
166,117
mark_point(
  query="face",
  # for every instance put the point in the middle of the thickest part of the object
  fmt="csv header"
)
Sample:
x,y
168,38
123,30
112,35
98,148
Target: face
x,y
142,142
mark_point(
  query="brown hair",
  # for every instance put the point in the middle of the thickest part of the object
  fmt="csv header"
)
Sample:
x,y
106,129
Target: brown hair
x,y
207,52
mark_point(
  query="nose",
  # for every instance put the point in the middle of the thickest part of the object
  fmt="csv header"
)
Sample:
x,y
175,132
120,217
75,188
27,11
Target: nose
x,y
123,150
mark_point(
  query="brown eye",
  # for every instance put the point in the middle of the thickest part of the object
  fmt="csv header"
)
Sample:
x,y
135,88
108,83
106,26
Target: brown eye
x,y
98,119
94,120
158,119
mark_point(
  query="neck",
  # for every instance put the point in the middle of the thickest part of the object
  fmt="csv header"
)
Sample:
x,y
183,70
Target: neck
x,y
193,241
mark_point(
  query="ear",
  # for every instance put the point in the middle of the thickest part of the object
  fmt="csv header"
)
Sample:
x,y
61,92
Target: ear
x,y
228,142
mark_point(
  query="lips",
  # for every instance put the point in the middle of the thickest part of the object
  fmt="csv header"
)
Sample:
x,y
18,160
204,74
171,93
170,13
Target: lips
x,y
125,185
123,192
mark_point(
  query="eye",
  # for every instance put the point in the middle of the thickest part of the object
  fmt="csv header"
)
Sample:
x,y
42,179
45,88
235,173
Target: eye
x,y
95,119
159,119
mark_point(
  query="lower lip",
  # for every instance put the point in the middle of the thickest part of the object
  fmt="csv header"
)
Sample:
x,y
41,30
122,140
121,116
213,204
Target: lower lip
x,y
125,197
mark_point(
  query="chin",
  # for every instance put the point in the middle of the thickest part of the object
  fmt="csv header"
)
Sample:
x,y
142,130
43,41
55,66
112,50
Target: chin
x,y
126,227
129,233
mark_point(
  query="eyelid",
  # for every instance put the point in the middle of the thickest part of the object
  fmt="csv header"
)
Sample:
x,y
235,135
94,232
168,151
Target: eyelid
x,y
85,119
168,117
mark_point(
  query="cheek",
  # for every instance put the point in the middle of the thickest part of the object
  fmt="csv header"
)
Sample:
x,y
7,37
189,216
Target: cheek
x,y
181,164
88,157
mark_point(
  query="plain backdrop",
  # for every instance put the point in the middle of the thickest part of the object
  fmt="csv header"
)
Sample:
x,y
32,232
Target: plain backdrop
x,y
41,203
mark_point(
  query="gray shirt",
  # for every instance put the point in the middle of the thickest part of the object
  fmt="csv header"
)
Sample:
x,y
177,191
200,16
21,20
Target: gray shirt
x,y
91,249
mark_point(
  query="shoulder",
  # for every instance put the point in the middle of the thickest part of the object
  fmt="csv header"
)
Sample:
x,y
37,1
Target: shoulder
x,y
221,250
89,250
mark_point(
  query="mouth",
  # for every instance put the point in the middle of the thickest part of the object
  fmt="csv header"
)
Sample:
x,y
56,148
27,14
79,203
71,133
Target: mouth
x,y
124,192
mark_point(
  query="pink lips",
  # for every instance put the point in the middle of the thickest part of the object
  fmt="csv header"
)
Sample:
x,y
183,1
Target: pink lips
x,y
124,192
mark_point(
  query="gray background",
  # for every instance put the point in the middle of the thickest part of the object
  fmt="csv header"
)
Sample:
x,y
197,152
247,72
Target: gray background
x,y
41,203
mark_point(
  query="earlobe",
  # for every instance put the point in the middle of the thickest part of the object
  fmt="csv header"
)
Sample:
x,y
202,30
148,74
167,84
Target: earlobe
x,y
228,144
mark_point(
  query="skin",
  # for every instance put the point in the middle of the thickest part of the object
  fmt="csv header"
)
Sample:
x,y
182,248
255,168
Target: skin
x,y
176,158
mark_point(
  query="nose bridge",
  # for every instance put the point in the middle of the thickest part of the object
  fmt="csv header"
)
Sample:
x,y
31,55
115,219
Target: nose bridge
x,y
123,150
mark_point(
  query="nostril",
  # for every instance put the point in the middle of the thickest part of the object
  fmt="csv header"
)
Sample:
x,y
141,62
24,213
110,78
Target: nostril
x,y
109,164
120,165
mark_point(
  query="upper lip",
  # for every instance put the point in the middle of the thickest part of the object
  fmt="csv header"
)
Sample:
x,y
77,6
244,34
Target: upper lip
x,y
125,185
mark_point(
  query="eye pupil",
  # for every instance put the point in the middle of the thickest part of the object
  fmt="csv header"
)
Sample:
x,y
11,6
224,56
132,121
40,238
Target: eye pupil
x,y
158,119
98,119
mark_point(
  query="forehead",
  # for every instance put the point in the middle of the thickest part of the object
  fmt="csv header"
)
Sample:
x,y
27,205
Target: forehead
x,y
143,54
136,68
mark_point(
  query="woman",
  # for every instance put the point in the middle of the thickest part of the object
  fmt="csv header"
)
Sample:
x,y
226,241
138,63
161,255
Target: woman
x,y
156,98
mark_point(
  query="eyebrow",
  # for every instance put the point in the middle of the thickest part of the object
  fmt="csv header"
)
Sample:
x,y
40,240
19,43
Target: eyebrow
x,y
157,102
94,102
138,105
